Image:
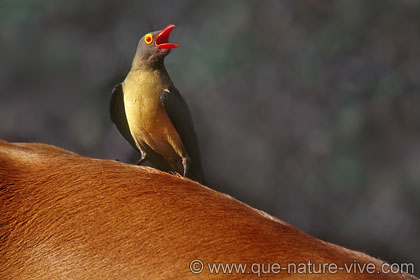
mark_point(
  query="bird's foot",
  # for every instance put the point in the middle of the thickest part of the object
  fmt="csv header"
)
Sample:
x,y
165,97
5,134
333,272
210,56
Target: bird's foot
x,y
140,161
186,162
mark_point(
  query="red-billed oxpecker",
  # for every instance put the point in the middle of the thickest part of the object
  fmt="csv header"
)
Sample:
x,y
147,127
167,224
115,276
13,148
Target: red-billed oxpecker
x,y
152,115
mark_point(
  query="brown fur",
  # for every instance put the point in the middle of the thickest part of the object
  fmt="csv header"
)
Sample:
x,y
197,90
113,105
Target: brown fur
x,y
64,216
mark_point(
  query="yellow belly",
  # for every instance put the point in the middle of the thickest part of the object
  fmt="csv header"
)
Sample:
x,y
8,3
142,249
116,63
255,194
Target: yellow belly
x,y
147,119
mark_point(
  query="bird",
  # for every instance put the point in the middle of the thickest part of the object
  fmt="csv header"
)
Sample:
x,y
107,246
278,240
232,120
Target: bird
x,y
152,115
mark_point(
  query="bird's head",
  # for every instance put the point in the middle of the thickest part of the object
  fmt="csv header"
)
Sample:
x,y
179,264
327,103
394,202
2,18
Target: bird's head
x,y
154,46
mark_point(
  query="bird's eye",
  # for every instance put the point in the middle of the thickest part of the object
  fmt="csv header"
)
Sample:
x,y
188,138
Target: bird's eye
x,y
148,38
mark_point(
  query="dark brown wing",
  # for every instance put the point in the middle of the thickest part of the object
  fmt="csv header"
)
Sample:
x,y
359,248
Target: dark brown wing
x,y
179,114
118,116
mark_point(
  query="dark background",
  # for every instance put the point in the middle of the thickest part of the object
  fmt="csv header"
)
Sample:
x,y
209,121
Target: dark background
x,y
308,110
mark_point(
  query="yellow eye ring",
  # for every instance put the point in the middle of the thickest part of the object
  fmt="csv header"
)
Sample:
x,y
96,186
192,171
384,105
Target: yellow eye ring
x,y
148,38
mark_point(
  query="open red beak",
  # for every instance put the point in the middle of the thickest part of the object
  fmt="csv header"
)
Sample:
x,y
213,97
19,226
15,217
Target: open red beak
x,y
163,37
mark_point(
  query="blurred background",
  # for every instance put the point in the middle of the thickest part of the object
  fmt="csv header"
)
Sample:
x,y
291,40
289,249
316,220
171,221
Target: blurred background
x,y
308,110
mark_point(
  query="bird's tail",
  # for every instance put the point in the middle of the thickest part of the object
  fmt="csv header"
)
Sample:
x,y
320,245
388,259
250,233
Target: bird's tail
x,y
195,172
198,175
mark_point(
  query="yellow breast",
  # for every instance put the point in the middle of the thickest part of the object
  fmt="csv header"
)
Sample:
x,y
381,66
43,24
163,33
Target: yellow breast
x,y
147,119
